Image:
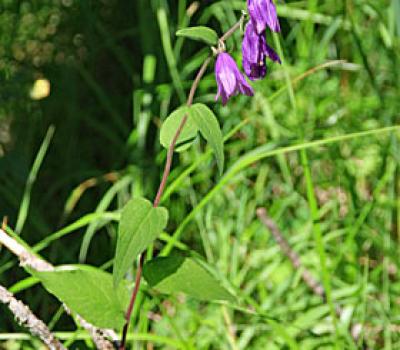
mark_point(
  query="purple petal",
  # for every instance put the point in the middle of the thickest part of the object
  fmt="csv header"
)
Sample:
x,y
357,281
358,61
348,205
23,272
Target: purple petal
x,y
230,80
270,52
272,17
263,14
227,73
244,87
255,51
224,98
251,43
256,12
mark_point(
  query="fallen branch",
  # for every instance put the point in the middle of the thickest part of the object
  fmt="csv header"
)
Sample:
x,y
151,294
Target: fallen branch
x,y
25,317
28,259
294,258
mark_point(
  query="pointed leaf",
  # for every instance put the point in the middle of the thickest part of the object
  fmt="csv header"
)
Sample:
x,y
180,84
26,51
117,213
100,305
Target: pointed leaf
x,y
209,128
205,34
180,274
89,292
139,226
171,125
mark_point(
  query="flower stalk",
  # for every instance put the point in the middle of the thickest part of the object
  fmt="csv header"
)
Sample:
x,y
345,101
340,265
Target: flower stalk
x,y
230,81
166,173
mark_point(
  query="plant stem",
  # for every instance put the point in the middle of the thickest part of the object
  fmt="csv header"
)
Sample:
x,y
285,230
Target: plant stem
x,y
231,31
171,148
167,170
132,301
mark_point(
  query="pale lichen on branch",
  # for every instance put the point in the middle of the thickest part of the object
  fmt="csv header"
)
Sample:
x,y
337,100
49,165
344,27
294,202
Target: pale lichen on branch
x,y
34,262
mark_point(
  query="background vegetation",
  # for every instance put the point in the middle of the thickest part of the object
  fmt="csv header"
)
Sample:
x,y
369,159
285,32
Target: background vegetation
x,y
116,70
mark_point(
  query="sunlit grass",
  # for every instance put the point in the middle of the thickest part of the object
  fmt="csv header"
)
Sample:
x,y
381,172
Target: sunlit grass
x,y
317,146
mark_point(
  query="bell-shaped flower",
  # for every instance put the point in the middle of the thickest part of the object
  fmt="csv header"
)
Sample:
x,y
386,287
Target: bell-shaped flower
x,y
255,51
230,80
263,14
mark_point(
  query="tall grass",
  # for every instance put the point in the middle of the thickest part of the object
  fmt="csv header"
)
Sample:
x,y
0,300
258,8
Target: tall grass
x,y
317,146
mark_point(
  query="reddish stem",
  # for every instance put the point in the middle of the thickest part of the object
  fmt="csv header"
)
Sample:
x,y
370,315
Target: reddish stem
x,y
168,163
132,302
167,170
171,149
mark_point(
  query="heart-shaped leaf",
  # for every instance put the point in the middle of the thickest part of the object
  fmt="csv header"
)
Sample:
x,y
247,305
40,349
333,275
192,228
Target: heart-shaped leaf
x,y
139,226
171,125
89,292
180,274
209,128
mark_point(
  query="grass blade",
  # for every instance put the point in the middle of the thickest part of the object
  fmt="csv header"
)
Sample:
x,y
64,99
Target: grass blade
x,y
24,208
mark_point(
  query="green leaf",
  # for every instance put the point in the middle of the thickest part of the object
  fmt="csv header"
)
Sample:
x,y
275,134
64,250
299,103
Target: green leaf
x,y
396,9
171,125
89,292
205,34
139,226
180,274
209,127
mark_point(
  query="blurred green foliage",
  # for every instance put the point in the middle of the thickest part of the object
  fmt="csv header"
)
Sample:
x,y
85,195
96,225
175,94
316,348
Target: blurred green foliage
x,y
116,70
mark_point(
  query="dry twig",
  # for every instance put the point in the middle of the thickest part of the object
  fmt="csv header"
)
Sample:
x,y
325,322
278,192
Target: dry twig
x,y
26,258
25,317
294,258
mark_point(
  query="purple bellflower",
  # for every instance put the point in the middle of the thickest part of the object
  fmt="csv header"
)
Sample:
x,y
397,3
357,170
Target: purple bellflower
x,y
263,14
255,51
230,80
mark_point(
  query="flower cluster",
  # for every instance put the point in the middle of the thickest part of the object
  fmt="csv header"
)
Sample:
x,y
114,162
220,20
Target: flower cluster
x,y
255,52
